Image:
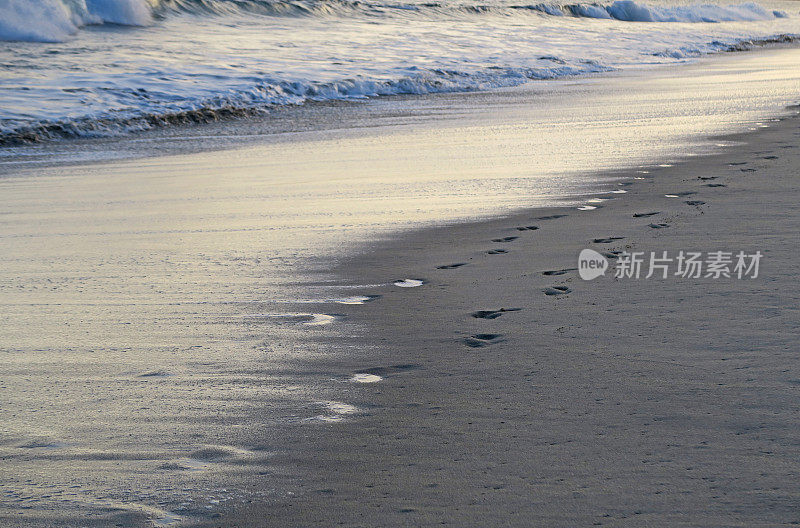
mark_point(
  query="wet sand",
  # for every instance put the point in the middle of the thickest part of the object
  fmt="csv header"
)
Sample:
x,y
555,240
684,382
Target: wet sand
x,y
177,346
615,402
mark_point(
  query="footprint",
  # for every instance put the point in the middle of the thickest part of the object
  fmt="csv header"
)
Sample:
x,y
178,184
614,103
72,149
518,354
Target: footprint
x,y
557,290
222,453
611,254
409,283
336,411
716,185
770,157
550,273
694,202
551,217
496,251
738,163
356,299
704,178
481,340
679,194
321,319
505,239
643,215
308,319
492,314
384,372
748,170
363,377
451,266
529,228
606,240
658,226
153,374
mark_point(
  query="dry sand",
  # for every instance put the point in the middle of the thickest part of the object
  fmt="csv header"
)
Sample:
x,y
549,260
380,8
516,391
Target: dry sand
x,y
624,402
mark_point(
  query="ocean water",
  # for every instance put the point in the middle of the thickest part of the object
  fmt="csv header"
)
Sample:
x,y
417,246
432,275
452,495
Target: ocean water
x,y
165,319
109,67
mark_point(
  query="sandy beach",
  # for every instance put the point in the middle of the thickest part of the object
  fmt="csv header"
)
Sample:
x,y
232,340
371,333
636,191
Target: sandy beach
x,y
650,402
257,272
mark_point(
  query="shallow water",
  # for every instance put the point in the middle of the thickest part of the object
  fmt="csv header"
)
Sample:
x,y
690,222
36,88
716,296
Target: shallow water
x,y
158,314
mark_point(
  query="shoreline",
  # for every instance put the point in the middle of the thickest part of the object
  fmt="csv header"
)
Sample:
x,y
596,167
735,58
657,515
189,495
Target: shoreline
x,y
314,119
144,126
320,361
581,408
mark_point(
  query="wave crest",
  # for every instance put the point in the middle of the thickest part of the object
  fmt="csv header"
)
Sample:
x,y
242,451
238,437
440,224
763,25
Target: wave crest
x,y
56,20
271,93
630,11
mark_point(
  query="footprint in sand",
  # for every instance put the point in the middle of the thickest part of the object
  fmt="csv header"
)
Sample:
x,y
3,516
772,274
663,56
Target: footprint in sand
x,y
496,251
481,340
153,374
716,185
307,319
770,157
224,454
336,411
738,163
409,283
493,314
657,226
362,377
748,170
385,372
530,227
550,217
557,290
611,254
505,239
644,215
550,273
451,266
356,299
694,202
705,178
322,319
606,240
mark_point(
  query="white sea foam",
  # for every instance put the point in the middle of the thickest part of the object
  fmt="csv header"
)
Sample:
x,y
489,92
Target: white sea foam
x,y
246,56
55,20
630,11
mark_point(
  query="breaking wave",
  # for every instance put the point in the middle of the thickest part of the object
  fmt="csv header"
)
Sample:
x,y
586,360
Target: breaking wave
x,y
623,10
57,20
268,94
261,97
